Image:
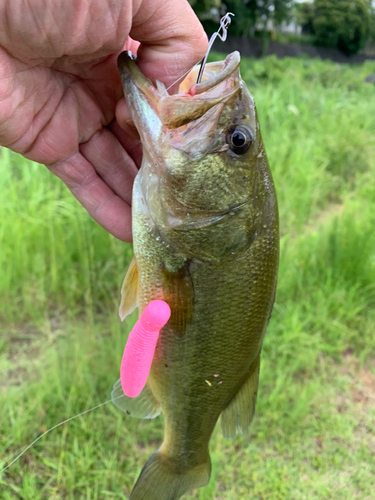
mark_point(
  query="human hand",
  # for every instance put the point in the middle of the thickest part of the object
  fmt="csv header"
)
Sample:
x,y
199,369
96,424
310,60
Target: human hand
x,y
59,88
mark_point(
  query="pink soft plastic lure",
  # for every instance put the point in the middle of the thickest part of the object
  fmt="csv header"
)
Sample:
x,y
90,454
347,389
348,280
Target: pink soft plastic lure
x,y
140,347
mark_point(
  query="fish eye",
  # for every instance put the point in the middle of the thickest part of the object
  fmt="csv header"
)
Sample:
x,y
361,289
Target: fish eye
x,y
239,139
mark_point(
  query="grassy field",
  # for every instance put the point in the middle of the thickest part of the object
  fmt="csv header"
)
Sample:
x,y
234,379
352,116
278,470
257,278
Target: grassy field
x,y
313,436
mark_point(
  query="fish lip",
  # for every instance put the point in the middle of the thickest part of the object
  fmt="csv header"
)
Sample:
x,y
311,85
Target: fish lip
x,y
221,71
229,66
180,109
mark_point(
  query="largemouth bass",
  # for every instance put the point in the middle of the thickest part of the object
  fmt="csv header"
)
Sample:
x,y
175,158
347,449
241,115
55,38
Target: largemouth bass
x,y
206,240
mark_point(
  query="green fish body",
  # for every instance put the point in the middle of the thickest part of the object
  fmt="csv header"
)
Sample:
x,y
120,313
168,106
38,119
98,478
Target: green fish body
x,y
206,240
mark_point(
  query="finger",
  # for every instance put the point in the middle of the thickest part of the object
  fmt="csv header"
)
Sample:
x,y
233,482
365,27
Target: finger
x,y
125,120
112,162
172,38
129,143
108,209
131,45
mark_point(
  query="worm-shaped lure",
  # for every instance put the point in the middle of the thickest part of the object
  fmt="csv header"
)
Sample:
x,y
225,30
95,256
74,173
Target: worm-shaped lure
x,y
140,347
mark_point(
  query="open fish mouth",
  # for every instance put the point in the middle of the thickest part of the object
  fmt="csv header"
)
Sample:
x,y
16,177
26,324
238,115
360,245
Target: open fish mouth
x,y
189,171
220,82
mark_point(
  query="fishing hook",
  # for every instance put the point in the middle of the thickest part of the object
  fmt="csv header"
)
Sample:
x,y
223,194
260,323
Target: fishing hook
x,y
224,24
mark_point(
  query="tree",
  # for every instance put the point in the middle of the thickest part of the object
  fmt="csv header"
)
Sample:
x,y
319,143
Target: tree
x,y
250,15
372,24
254,15
342,24
206,9
305,17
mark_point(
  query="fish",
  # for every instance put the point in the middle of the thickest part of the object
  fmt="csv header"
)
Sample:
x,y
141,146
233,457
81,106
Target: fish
x,y
206,241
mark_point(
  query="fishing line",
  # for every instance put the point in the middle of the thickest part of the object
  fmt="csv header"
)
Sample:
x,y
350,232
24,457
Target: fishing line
x,y
224,24
188,71
55,427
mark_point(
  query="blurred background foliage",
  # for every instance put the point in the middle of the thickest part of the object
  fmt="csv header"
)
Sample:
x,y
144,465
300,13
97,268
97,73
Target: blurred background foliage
x,y
341,24
346,25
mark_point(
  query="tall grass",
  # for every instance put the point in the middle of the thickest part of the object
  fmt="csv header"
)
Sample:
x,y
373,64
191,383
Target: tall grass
x,y
54,257
314,432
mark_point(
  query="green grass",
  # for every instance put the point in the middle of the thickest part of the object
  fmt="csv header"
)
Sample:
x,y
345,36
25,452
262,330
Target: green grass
x,y
313,436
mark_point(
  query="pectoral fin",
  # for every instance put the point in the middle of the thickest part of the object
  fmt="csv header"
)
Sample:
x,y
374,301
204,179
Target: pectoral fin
x,y
129,291
239,413
143,406
179,295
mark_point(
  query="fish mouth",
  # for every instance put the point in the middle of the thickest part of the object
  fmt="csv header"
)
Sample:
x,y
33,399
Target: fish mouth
x,y
221,80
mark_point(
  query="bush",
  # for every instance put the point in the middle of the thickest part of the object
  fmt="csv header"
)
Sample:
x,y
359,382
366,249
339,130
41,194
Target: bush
x,y
342,24
305,17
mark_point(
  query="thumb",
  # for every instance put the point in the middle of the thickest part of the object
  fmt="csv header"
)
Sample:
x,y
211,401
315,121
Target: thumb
x,y
172,39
